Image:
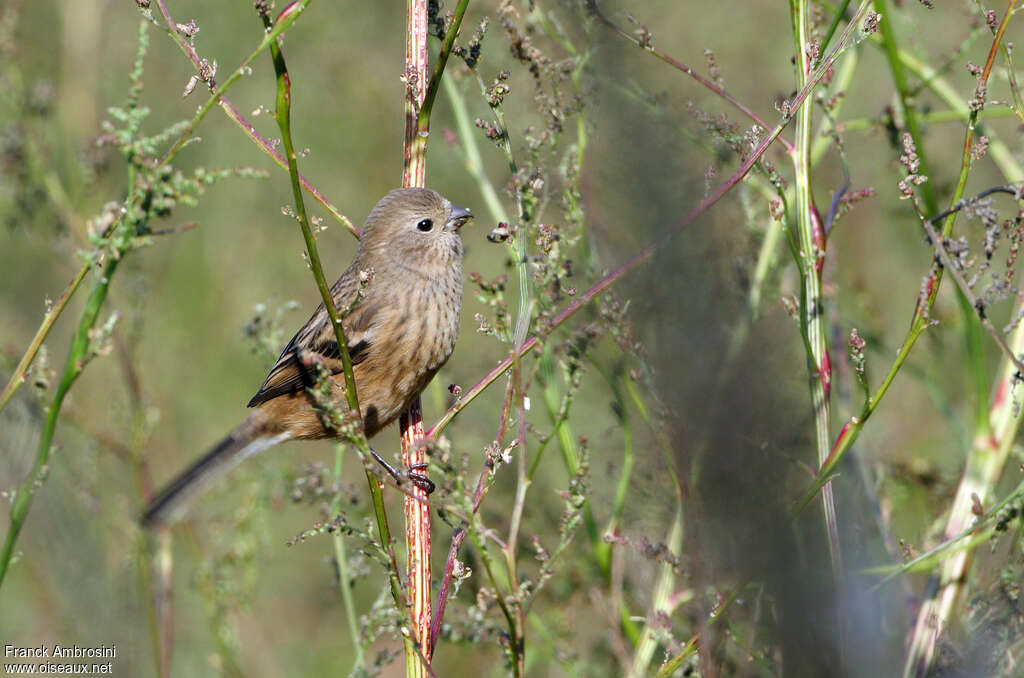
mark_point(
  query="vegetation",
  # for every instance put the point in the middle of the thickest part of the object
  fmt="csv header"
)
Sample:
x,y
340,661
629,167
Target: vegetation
x,y
737,391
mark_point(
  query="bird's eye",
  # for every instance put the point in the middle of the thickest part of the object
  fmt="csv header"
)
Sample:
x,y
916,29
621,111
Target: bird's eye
x,y
425,225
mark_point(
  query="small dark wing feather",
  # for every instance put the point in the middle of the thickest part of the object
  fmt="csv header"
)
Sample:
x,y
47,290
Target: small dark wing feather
x,y
290,374
316,337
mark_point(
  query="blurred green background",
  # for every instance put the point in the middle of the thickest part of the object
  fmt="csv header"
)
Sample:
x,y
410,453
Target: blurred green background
x,y
181,367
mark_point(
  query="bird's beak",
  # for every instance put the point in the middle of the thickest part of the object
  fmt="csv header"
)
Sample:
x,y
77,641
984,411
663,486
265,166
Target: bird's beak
x,y
458,218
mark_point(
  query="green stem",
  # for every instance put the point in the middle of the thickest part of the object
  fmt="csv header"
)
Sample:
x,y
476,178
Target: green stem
x,y
264,145
499,597
836,20
972,332
848,39
1001,155
670,667
341,556
952,115
603,549
660,602
284,122
18,377
244,124
811,262
890,43
471,152
423,117
985,458
72,369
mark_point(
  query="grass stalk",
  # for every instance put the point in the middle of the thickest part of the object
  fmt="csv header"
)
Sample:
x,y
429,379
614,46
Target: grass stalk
x,y
812,245
661,599
217,96
18,376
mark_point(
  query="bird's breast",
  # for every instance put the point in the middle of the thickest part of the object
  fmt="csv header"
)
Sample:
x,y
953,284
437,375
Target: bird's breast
x,y
428,320
411,341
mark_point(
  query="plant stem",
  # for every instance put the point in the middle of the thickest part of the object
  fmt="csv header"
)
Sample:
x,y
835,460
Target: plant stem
x,y
426,104
419,100
663,590
930,202
240,120
341,556
913,125
951,115
284,21
670,667
18,377
812,239
471,152
836,20
1001,155
264,145
713,86
72,369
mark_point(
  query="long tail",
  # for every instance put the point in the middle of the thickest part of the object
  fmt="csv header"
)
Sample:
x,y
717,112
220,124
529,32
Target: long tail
x,y
169,504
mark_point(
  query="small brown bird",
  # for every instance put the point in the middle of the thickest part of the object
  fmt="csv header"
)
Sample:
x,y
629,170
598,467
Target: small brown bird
x,y
400,331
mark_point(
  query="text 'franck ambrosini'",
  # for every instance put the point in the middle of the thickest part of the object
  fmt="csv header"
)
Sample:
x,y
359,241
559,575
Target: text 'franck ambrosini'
x,y
61,651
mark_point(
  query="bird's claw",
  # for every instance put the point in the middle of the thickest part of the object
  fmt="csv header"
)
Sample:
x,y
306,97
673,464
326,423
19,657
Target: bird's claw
x,y
420,480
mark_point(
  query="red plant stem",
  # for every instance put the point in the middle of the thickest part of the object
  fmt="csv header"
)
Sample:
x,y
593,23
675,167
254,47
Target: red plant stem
x,y
417,521
417,509
453,551
532,343
283,116
607,281
446,581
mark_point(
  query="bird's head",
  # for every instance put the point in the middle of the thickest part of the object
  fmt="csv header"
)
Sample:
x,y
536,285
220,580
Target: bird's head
x,y
415,225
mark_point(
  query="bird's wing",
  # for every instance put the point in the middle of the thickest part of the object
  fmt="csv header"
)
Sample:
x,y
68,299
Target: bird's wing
x,y
316,342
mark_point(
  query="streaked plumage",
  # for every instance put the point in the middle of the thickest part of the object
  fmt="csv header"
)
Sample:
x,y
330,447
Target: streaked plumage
x,y
400,332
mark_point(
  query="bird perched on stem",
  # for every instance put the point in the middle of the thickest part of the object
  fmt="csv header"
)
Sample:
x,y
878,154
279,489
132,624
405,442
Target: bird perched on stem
x,y
400,299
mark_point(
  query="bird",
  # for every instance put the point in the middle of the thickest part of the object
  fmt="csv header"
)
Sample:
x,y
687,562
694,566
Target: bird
x,y
401,299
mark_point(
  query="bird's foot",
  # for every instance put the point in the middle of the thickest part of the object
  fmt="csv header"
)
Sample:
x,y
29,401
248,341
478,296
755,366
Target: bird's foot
x,y
420,480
